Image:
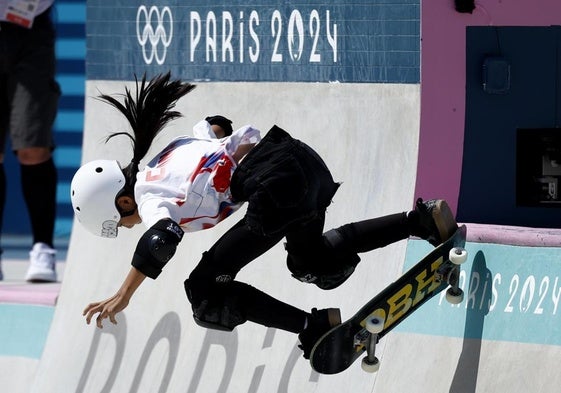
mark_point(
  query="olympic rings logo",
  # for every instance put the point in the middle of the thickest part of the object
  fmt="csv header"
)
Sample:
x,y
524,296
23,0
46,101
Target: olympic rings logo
x,y
150,38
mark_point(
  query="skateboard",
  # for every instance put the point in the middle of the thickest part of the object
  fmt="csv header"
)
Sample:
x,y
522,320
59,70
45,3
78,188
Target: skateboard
x,y
336,350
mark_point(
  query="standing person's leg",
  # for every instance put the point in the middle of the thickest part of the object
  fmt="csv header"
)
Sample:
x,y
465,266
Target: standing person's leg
x,y
34,96
2,204
38,182
4,119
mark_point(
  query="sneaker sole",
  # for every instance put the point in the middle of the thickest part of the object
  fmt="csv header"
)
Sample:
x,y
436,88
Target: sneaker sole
x,y
41,278
444,220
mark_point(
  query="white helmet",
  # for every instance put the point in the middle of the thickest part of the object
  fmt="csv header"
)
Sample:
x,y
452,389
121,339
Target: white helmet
x,y
93,191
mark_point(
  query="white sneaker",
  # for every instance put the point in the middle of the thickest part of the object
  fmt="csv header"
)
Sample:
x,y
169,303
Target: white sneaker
x,y
42,266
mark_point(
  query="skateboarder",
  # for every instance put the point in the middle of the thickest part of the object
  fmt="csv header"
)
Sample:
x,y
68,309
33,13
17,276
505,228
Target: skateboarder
x,y
194,184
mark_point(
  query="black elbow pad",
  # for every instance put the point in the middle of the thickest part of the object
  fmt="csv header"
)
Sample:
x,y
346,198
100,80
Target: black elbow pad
x,y
156,247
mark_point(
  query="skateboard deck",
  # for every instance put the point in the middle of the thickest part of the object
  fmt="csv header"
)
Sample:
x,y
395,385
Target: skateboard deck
x,y
341,346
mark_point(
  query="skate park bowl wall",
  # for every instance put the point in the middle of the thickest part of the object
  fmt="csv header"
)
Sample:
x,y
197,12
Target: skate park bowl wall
x,y
364,121
156,346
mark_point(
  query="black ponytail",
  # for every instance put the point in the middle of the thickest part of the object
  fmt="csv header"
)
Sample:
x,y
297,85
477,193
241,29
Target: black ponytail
x,y
147,112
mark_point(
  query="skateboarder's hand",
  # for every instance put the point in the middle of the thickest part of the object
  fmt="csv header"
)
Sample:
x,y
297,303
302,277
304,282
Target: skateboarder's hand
x,y
110,307
107,309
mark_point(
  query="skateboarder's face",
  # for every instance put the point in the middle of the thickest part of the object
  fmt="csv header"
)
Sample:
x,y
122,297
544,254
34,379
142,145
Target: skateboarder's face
x,y
129,212
218,131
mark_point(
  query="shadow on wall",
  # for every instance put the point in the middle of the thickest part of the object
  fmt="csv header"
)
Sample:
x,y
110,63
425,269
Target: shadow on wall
x,y
169,329
465,377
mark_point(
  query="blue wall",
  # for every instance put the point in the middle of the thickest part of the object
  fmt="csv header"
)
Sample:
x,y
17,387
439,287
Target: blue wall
x,y
532,101
70,18
315,41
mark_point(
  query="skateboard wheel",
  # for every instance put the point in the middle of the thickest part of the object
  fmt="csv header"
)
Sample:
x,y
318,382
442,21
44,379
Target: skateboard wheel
x,y
454,297
457,255
370,367
374,324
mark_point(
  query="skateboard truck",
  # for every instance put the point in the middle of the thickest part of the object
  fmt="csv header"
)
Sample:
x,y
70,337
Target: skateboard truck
x,y
374,324
450,273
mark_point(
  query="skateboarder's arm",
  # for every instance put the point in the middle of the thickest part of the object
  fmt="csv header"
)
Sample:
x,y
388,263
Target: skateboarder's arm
x,y
156,247
110,307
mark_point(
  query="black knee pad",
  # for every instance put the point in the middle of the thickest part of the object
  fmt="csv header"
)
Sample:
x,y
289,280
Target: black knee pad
x,y
215,305
325,279
327,267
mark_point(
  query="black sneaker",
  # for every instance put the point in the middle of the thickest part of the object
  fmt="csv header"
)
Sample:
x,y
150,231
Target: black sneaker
x,y
319,323
434,222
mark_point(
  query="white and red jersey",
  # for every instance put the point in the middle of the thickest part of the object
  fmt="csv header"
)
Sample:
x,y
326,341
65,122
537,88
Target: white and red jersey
x,y
189,181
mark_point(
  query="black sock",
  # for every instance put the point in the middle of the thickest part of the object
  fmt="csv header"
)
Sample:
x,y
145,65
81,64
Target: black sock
x,y
38,184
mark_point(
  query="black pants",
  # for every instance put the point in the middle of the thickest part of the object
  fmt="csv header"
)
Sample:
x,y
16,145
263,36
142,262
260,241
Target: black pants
x,y
288,188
